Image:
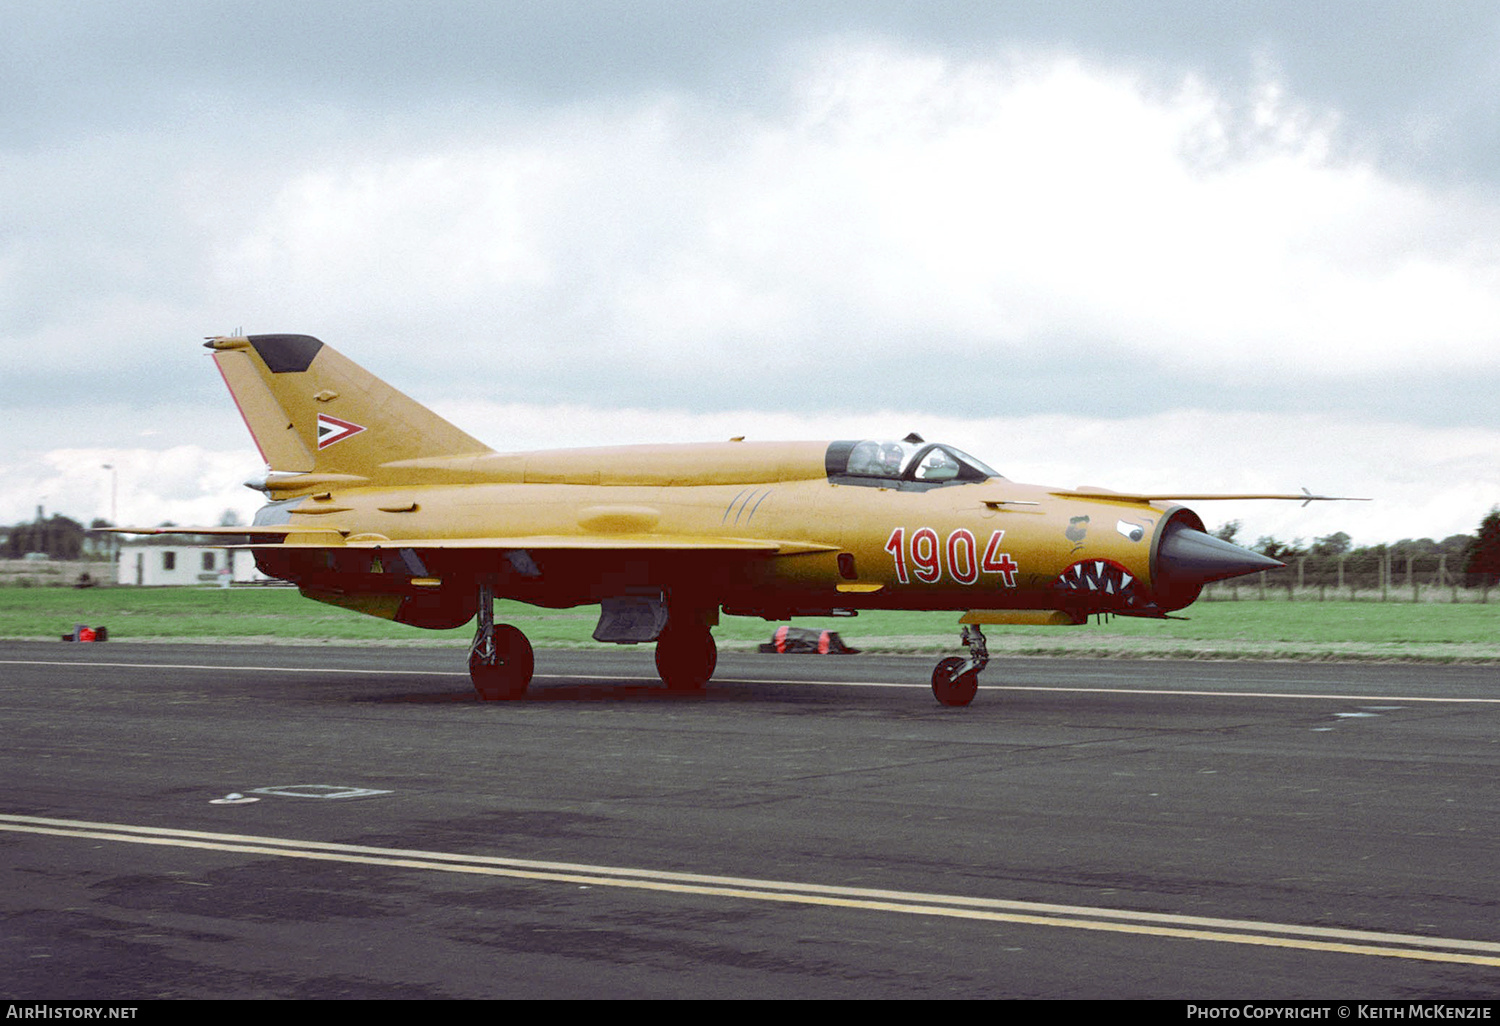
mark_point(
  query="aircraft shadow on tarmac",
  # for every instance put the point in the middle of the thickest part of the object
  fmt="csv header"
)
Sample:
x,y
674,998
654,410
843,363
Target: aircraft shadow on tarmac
x,y
625,692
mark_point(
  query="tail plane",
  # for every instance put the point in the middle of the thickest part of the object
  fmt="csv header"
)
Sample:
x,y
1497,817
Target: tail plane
x,y
312,410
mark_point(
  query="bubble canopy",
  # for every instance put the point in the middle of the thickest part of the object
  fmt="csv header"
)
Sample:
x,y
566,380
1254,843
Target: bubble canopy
x,y
910,463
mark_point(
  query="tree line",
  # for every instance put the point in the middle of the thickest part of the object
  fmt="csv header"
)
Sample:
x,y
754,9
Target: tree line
x,y
1476,556
60,537
57,536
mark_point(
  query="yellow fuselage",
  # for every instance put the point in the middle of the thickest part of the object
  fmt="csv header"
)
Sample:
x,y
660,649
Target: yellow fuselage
x,y
756,528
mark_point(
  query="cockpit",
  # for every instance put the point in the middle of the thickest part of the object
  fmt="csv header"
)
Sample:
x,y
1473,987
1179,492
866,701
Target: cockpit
x,y
912,464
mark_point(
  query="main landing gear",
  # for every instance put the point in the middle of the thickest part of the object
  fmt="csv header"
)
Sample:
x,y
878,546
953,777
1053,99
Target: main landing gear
x,y
686,656
500,659
956,680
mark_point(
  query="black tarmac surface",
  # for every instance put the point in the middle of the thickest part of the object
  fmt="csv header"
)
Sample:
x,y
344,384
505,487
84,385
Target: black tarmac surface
x,y
806,827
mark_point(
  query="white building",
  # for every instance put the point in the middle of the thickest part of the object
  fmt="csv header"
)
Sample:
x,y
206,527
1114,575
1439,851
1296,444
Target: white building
x,y
156,561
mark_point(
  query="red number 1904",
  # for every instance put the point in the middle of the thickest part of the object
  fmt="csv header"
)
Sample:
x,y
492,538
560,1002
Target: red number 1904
x,y
924,557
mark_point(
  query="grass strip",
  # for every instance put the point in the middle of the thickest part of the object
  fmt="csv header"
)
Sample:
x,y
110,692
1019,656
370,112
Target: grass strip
x,y
1428,632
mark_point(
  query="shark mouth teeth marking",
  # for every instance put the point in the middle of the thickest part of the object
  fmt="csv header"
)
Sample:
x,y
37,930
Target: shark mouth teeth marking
x,y
1100,579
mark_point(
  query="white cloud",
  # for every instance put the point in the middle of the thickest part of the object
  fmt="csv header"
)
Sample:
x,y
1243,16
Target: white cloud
x,y
897,199
185,484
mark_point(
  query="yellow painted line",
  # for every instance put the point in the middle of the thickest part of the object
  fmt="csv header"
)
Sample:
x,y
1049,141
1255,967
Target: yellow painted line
x,y
1229,931
624,678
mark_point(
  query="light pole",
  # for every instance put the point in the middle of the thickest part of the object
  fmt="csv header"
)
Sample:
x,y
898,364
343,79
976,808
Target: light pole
x,y
114,520
113,492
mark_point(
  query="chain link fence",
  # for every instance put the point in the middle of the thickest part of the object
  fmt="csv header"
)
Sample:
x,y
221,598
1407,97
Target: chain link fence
x,y
1358,577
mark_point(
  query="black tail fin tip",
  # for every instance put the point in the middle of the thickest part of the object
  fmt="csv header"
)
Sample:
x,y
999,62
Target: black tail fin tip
x,y
281,354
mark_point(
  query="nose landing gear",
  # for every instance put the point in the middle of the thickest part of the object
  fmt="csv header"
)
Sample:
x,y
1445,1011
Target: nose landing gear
x,y
955,681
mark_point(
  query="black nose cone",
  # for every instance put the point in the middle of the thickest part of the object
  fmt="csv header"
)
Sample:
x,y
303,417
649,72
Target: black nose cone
x,y
1187,557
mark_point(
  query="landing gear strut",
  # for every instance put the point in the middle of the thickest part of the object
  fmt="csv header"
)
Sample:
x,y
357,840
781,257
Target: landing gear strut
x,y
686,656
955,680
500,659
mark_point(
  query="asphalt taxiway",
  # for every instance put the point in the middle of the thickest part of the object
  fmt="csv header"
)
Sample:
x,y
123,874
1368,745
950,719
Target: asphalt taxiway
x,y
278,821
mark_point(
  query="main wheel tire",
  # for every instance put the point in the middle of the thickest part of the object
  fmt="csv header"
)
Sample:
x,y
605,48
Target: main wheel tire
x,y
510,674
685,659
951,689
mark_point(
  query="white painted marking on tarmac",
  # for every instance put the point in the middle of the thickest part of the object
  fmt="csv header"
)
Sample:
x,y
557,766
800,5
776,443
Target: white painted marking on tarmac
x,y
625,678
318,791
229,669
1242,694
1078,917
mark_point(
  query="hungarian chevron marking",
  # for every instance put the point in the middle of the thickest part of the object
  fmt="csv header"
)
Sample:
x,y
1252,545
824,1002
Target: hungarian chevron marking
x,y
332,430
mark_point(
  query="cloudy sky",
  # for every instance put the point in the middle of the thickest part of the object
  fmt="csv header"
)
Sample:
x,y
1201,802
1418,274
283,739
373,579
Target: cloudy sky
x,y
1199,246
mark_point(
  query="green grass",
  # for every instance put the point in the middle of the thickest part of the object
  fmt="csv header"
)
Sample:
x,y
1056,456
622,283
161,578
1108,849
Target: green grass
x,y
1247,629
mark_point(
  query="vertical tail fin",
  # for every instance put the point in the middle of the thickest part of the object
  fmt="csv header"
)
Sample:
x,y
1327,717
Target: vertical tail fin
x,y
311,409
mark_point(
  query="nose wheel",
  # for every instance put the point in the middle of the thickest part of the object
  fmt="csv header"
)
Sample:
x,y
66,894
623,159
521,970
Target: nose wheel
x,y
500,659
955,680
